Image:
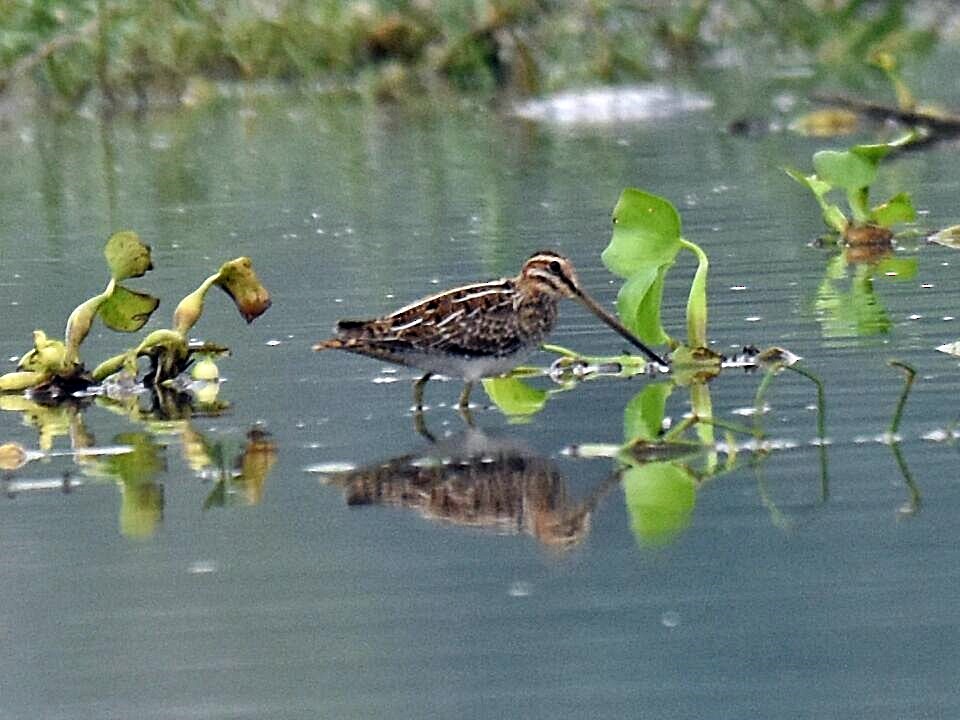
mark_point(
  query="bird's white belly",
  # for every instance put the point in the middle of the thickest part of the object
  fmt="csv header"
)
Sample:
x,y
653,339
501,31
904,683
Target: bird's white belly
x,y
469,369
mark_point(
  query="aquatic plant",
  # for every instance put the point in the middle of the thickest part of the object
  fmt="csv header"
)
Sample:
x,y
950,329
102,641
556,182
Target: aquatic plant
x,y
853,171
55,362
645,243
55,365
169,350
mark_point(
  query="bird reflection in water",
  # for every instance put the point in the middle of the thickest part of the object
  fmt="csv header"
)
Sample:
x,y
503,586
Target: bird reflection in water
x,y
474,480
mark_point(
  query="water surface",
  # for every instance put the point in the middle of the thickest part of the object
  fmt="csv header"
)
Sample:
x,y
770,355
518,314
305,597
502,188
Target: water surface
x,y
789,594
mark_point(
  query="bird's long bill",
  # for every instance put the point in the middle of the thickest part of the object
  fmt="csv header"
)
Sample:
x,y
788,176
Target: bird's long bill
x,y
610,320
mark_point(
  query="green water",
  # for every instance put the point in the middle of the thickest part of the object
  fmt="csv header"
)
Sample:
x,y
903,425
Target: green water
x,y
780,591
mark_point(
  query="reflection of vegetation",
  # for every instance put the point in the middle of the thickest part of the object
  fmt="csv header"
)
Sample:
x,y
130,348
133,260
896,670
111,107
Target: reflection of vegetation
x,y
853,171
858,312
912,507
137,458
244,482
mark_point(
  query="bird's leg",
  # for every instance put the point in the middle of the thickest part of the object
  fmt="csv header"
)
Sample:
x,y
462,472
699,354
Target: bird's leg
x,y
464,403
418,391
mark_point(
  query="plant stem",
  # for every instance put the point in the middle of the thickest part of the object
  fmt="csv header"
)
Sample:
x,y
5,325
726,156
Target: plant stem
x,y
697,300
908,384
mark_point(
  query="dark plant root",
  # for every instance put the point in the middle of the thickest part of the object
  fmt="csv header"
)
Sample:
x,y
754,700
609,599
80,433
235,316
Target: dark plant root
x,y
872,235
59,389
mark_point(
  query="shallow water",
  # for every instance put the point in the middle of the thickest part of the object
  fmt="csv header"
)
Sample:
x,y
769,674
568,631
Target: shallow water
x,y
785,591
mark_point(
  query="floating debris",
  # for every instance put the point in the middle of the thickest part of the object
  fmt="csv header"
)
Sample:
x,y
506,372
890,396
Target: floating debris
x,y
607,105
330,467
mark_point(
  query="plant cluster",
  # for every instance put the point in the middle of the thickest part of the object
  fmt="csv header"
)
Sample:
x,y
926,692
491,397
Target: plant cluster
x,y
852,172
54,366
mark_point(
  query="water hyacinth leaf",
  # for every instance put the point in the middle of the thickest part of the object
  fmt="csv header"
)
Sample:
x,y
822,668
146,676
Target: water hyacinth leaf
x,y
238,279
898,209
127,310
660,497
948,237
643,416
646,234
514,397
638,305
697,299
127,256
845,169
832,214
21,380
47,356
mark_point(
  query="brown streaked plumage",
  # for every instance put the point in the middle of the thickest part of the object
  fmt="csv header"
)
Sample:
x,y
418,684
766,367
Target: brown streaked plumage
x,y
475,331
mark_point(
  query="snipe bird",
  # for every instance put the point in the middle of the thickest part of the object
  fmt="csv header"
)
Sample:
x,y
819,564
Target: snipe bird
x,y
475,331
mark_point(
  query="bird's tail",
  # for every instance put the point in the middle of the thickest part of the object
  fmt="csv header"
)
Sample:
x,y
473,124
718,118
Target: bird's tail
x,y
331,344
348,332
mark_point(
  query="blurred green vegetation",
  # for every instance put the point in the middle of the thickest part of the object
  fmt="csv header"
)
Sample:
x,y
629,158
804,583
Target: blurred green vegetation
x,y
141,49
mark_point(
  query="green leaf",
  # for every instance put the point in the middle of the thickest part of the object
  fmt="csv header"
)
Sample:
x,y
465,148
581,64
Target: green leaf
x,y
514,397
660,497
127,310
638,304
127,257
646,234
643,415
832,214
697,299
846,169
898,209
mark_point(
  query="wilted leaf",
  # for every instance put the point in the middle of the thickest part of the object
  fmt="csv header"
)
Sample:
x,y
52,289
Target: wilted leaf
x,y
643,416
514,397
646,234
240,282
127,256
12,456
127,310
660,497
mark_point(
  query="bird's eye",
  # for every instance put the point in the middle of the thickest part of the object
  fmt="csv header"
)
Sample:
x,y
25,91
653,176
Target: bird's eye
x,y
555,267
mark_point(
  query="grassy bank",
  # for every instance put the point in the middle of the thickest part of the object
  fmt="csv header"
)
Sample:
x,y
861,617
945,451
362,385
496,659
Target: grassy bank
x,y
132,52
